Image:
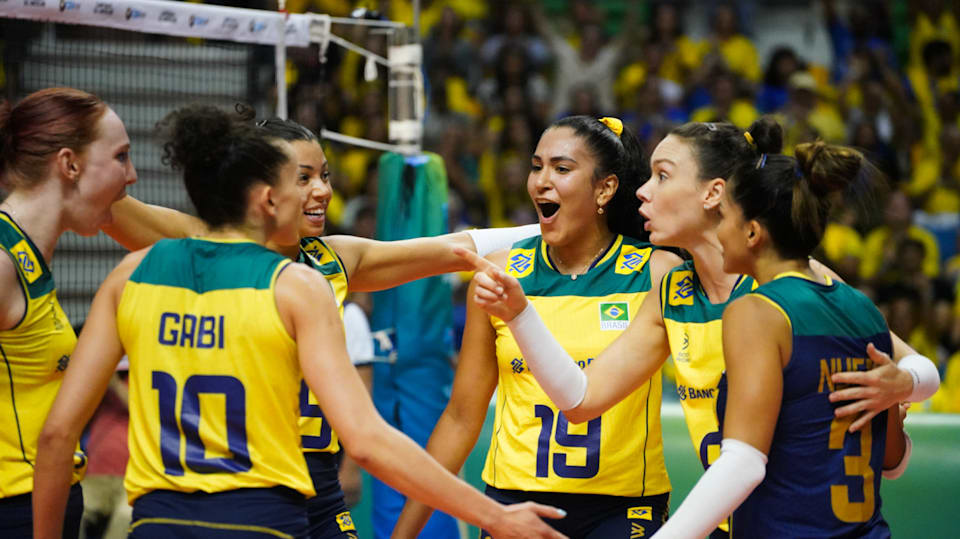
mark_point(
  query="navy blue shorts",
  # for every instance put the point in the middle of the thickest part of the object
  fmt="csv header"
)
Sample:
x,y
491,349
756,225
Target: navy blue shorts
x,y
245,513
328,514
16,515
595,516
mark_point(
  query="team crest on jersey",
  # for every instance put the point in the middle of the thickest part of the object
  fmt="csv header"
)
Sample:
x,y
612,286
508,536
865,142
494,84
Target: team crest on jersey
x,y
520,262
345,521
644,512
27,261
632,259
614,315
681,288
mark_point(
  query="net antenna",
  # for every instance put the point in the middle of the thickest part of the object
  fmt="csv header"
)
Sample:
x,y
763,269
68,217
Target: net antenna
x,y
405,96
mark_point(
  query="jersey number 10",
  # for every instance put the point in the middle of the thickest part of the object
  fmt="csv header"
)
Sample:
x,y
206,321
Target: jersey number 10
x,y
171,433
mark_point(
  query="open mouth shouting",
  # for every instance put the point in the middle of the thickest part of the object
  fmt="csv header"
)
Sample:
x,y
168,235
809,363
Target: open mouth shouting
x,y
547,211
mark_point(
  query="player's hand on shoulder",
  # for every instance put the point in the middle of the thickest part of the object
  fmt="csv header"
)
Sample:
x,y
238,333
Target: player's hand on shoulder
x,y
496,292
525,520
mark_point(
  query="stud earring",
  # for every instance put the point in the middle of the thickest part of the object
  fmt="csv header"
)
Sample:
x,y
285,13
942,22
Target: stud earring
x,y
600,210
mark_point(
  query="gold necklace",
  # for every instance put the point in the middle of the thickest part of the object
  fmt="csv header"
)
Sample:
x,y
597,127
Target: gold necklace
x,y
573,276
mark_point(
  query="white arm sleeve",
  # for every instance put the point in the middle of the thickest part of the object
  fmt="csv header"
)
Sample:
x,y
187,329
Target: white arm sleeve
x,y
926,377
895,473
488,240
561,378
724,486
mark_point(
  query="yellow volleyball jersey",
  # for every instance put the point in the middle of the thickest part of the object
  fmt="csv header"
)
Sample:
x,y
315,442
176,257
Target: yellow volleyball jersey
x,y
694,330
533,447
214,375
35,355
315,431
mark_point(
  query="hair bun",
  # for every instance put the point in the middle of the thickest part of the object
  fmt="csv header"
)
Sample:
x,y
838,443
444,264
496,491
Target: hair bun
x,y
828,168
196,136
767,135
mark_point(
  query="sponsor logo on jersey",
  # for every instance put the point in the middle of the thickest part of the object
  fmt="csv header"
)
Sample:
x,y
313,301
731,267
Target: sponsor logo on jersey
x,y
614,315
27,261
681,288
517,365
103,8
520,262
644,512
63,363
636,530
694,393
632,259
345,521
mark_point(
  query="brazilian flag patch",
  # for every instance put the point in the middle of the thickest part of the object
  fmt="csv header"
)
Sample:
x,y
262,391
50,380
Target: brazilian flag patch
x,y
614,315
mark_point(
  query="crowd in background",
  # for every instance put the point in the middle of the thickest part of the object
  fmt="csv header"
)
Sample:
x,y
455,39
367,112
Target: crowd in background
x,y
499,72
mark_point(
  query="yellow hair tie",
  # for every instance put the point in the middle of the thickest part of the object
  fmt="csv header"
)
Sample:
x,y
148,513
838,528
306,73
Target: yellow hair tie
x,y
749,138
614,124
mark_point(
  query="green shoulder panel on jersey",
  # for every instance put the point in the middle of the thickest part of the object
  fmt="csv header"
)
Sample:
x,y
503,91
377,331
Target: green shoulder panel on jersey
x,y
682,297
820,305
31,267
218,265
629,256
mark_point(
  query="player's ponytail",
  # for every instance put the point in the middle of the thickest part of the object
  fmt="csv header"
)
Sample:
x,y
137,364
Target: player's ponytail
x,y
221,156
791,197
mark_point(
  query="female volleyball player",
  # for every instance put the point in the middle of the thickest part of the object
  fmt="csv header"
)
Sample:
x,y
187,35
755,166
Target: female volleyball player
x,y
64,159
370,265
680,202
787,465
219,332
587,278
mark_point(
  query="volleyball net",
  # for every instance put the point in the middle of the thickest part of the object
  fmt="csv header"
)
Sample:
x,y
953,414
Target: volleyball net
x,y
148,57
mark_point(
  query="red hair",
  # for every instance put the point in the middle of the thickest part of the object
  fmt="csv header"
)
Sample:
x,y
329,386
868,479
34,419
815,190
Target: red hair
x,y
39,126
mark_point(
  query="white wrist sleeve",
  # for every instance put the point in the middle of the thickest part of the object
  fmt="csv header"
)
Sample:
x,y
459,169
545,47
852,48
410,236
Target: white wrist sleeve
x,y
926,378
895,473
561,378
724,486
488,240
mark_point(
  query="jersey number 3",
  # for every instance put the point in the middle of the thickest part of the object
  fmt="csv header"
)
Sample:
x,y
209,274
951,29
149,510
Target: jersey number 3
x,y
589,441
235,404
854,465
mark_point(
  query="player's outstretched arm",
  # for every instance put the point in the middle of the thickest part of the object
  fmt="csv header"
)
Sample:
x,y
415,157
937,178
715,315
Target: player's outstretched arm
x,y
137,225
632,359
377,265
310,315
92,364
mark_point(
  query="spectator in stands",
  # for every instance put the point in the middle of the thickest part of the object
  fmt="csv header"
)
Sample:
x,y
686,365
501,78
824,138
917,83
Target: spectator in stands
x,y
773,93
726,105
681,54
512,27
727,45
881,248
